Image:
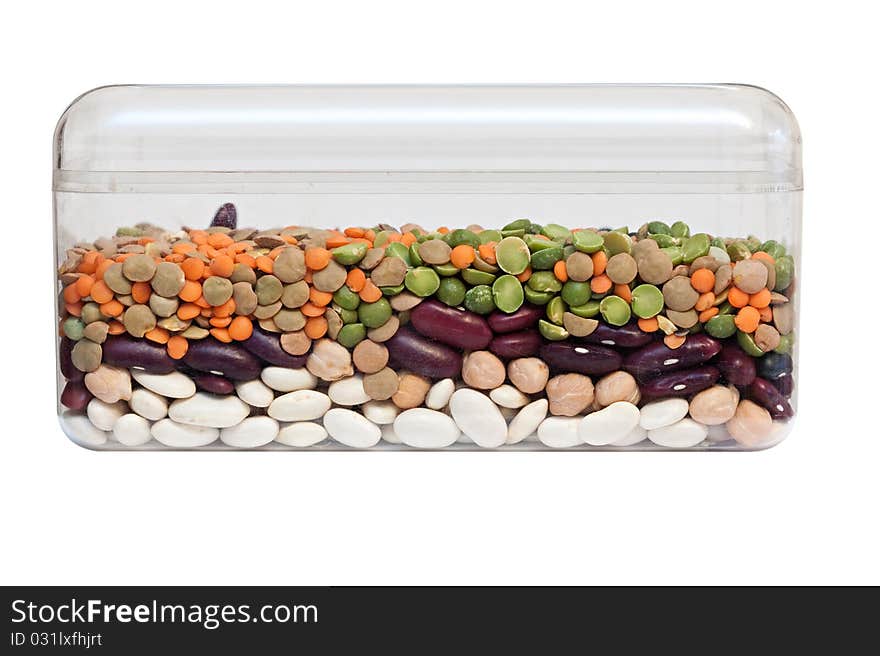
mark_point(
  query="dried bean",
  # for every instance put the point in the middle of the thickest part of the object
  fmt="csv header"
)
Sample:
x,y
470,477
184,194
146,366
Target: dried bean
x,y
408,349
516,345
680,383
460,328
627,336
267,347
765,394
213,383
130,353
737,367
657,358
580,358
525,317
230,360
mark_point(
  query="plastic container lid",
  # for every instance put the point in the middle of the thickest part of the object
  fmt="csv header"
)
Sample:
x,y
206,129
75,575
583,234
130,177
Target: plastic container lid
x,y
123,137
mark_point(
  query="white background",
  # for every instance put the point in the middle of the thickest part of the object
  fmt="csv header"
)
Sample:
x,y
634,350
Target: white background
x,y
804,512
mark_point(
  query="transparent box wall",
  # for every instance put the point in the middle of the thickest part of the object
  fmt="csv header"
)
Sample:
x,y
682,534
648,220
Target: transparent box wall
x,y
499,339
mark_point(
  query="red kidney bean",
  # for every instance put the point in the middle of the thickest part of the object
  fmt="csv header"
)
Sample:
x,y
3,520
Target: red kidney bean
x,y
767,396
75,396
128,352
628,336
267,347
522,344
453,326
226,217
737,366
680,383
580,358
410,351
65,363
213,383
785,384
230,360
459,328
526,317
657,358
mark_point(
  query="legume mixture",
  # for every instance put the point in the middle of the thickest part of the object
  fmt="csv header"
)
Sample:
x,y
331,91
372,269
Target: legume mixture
x,y
495,336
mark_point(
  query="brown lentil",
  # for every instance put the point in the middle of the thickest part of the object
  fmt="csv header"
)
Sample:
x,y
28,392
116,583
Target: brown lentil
x,y
382,385
370,357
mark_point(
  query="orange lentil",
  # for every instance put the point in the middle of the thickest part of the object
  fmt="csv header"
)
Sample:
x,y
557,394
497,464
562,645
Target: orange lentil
x,y
220,322
207,313
705,301
101,293
219,240
443,230
560,271
90,262
354,232
737,298
394,236
649,325
408,239
309,309
177,258
370,293
240,328
265,264
319,298
600,261
316,327
356,279
112,308
177,347
158,335
703,280
141,291
462,256
102,268
674,341
191,291
116,328
487,252
183,247
143,241
335,241
193,268
74,309
762,255
188,311
760,299
290,239
624,292
224,310
766,314
525,275
222,266
247,260
70,294
601,284
707,314
370,234
124,256
747,319
275,252
221,335
317,258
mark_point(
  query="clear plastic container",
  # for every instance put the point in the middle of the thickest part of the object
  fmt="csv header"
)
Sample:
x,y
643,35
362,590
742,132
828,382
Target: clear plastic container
x,y
582,267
